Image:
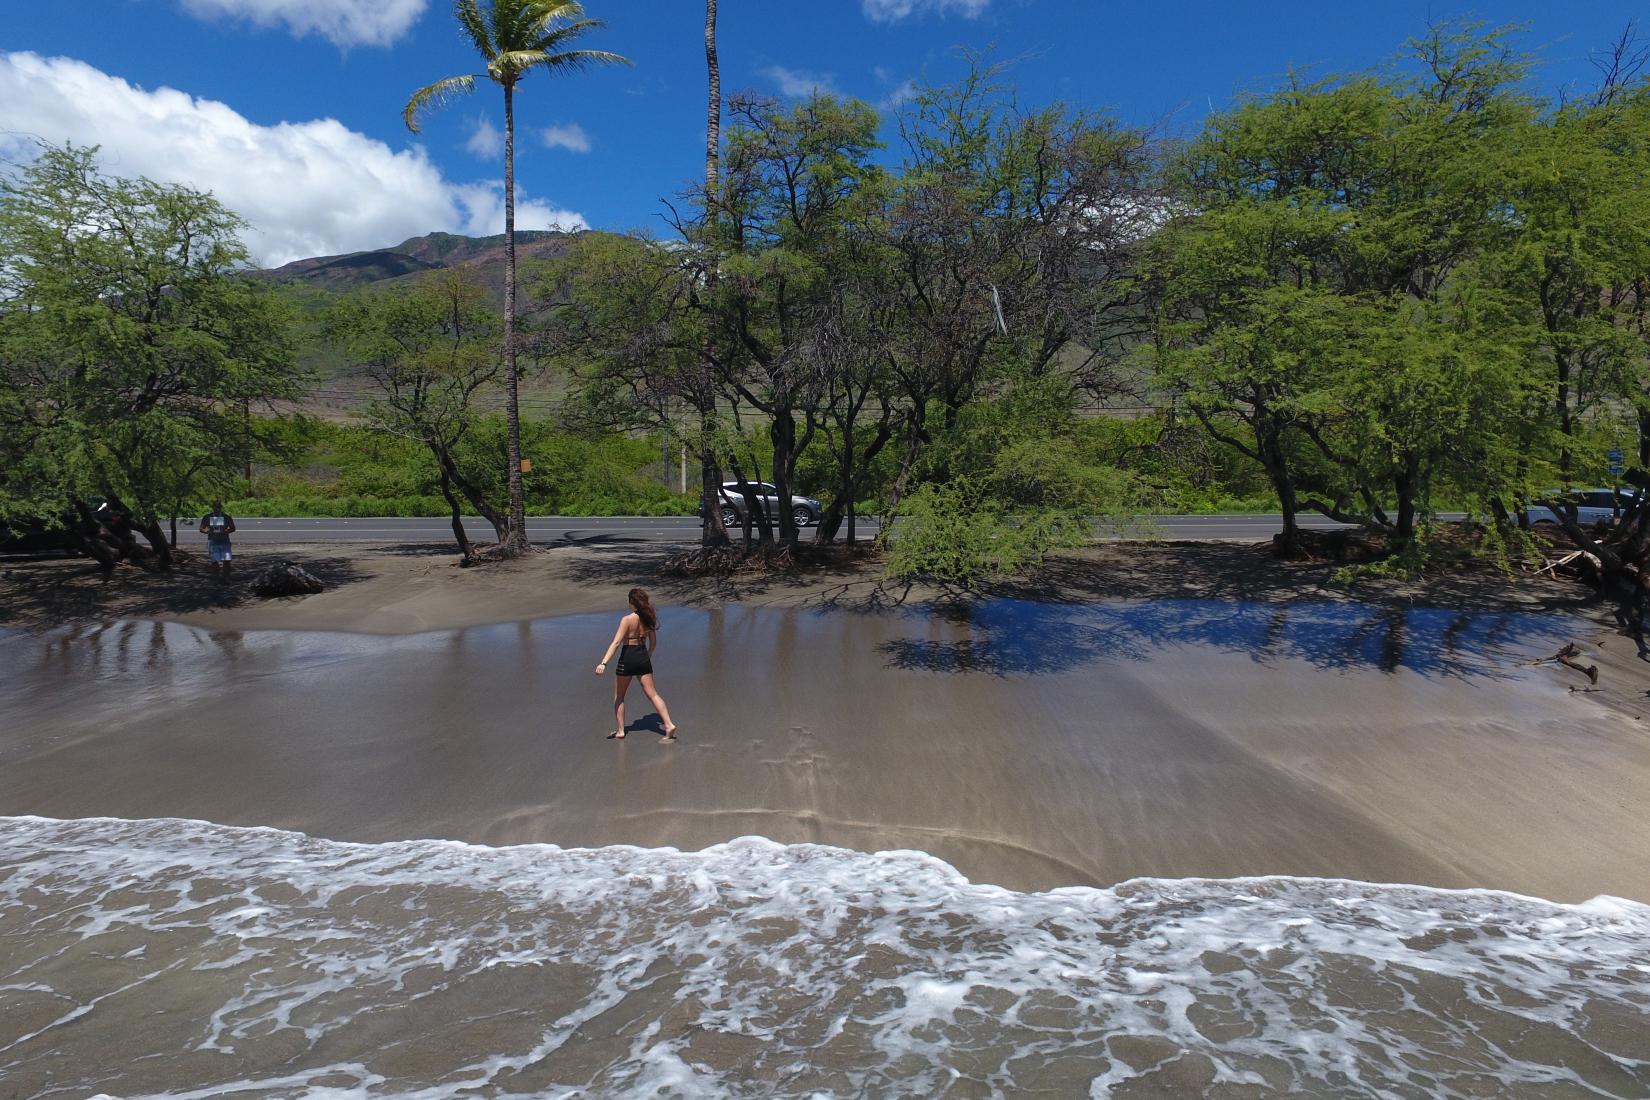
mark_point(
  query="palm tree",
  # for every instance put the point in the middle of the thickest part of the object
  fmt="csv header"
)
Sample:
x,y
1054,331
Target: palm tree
x,y
710,477
513,38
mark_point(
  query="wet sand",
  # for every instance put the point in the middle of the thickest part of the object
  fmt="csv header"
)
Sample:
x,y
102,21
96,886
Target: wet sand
x,y
1030,744
406,589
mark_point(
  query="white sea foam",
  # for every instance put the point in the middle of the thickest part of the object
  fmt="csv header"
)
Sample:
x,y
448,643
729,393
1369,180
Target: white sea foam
x,y
182,959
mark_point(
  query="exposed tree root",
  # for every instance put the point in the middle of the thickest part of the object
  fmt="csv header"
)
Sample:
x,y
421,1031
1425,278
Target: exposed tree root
x,y
727,561
1353,546
491,553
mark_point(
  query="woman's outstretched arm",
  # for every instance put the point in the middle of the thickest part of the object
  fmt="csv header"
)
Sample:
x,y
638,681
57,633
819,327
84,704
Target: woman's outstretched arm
x,y
612,647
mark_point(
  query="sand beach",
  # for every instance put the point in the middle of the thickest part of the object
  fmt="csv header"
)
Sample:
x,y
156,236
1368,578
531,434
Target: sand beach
x,y
1137,826
1190,722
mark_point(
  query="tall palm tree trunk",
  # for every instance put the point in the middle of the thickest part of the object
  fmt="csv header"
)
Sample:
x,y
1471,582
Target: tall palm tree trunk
x,y
710,474
515,541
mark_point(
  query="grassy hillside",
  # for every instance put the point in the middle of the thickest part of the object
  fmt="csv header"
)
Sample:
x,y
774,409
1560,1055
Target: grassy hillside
x,y
311,285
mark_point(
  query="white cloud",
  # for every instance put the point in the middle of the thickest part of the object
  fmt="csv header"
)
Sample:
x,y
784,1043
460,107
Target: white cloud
x,y
486,140
799,82
892,11
570,137
483,207
306,188
344,22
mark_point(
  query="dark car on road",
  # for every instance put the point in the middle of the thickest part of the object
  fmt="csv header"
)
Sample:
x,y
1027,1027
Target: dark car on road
x,y
804,510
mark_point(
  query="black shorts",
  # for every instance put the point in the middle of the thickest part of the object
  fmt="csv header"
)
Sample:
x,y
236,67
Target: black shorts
x,y
633,661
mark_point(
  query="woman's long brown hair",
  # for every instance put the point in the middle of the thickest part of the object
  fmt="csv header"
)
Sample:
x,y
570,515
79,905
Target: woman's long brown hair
x,y
643,607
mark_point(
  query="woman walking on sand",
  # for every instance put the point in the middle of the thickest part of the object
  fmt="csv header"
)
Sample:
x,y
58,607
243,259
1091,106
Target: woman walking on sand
x,y
636,638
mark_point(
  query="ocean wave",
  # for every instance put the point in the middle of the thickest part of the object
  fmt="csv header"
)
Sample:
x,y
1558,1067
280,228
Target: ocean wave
x,y
179,959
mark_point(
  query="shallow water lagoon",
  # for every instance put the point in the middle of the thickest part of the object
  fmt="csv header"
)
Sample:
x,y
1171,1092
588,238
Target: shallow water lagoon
x,y
1031,745
1042,747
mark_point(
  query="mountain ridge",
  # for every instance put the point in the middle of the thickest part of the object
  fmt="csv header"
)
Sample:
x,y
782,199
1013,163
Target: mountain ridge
x,y
418,256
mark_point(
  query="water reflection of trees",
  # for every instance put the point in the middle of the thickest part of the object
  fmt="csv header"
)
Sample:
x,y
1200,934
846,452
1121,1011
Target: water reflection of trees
x,y
1021,637
146,654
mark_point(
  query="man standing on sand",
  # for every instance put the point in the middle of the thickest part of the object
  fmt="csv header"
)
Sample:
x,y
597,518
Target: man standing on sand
x,y
217,525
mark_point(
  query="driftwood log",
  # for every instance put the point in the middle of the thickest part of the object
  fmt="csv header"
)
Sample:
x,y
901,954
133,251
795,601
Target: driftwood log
x,y
286,578
1566,656
1616,560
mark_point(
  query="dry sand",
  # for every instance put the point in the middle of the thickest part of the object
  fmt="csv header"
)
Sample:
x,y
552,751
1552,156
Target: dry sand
x,y
1182,711
413,588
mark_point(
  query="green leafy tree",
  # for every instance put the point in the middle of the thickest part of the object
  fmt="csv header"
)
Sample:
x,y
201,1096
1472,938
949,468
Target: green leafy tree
x,y
1324,282
1021,482
795,180
514,38
1014,234
429,352
1579,262
131,350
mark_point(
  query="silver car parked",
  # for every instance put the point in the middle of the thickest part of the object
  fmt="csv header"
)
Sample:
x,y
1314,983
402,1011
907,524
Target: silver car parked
x,y
1592,505
804,510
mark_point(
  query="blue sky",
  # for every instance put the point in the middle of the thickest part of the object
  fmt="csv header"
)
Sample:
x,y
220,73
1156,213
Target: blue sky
x,y
289,110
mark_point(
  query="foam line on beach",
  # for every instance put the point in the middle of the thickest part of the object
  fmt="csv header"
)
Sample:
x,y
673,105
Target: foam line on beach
x,y
295,966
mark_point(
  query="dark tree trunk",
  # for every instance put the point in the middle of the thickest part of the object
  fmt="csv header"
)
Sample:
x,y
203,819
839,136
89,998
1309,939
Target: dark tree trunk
x,y
1269,445
755,513
713,533
459,534
123,532
90,534
515,540
842,495
1407,486
782,432
850,484
449,470
1566,426
156,537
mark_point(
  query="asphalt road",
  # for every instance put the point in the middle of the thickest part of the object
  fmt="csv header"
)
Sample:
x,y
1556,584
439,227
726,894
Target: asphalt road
x,y
577,529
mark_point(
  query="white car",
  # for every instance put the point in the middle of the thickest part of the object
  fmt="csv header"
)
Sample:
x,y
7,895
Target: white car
x,y
1592,505
804,510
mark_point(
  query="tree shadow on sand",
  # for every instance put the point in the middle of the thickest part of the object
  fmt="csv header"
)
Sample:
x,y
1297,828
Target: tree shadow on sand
x,y
1006,637
611,564
1245,571
42,594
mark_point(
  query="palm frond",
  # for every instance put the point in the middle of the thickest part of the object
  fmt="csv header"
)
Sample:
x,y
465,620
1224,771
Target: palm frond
x,y
573,60
434,95
507,66
513,22
555,38
475,25
547,13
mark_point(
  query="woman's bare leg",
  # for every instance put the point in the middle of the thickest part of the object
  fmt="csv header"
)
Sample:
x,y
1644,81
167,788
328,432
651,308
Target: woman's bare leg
x,y
658,702
621,684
